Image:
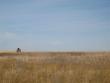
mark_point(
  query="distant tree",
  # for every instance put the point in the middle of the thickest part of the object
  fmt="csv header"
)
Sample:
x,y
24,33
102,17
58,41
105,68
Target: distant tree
x,y
18,50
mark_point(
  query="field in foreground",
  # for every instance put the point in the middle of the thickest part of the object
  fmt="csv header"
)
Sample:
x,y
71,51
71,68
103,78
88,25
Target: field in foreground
x,y
68,67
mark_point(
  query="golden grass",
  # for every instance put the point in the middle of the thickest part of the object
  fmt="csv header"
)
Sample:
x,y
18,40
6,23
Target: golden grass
x,y
14,70
3,51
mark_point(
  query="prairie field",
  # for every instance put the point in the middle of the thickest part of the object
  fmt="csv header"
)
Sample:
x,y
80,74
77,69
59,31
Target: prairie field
x,y
55,67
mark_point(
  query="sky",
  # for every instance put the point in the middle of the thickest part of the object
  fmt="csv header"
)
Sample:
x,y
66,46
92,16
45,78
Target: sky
x,y
55,25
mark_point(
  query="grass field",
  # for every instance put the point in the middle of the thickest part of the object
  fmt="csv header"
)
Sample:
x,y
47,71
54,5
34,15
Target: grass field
x,y
55,67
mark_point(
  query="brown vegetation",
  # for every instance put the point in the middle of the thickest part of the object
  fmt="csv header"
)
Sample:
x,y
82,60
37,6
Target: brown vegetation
x,y
55,67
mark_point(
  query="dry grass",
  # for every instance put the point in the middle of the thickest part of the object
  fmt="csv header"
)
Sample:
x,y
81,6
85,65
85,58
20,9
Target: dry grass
x,y
55,68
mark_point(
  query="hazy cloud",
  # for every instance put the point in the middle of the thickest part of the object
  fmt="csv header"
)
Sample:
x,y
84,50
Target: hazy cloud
x,y
7,35
56,43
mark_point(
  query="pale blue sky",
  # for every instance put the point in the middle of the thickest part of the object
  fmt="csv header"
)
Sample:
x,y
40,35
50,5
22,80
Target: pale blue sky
x,y
55,25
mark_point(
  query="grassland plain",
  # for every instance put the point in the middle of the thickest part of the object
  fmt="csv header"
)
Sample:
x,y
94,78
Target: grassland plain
x,y
55,67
